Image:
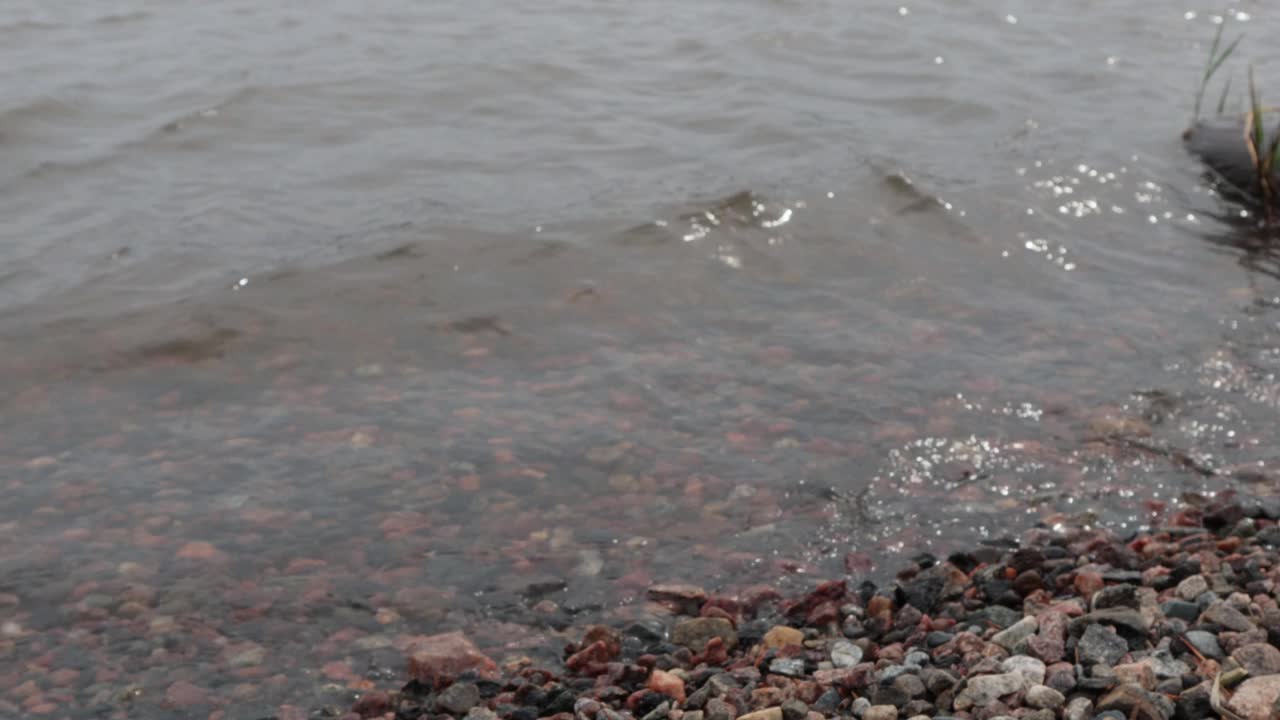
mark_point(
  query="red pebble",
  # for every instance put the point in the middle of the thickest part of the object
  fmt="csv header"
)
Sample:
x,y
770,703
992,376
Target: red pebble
x,y
372,704
713,654
595,653
709,611
668,684
446,655
1087,583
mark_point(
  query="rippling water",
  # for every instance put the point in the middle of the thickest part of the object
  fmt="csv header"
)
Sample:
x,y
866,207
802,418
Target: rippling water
x,y
327,324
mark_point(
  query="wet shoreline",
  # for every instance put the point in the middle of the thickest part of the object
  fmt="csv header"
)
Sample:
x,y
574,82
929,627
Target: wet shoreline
x,y
1175,622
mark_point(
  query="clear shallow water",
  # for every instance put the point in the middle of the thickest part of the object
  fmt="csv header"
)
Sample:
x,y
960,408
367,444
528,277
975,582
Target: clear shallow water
x,y
536,307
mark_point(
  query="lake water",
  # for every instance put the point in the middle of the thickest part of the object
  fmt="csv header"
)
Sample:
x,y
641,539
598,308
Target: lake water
x,y
327,324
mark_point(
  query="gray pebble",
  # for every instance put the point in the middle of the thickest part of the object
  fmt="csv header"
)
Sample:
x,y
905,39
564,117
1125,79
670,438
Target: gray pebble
x,y
1206,643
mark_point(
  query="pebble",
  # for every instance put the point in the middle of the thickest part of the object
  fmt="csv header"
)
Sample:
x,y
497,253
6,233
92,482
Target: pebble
x,y
880,712
845,654
1257,698
773,713
1258,659
1193,587
1080,708
1206,643
1040,696
458,698
983,690
695,633
781,636
1030,668
1101,644
1016,633
1180,609
1220,613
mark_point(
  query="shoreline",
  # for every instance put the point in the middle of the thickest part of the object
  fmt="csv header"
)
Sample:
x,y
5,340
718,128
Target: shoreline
x,y
1180,621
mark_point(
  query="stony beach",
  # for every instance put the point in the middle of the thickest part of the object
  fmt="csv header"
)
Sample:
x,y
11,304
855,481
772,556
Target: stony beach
x,y
1180,622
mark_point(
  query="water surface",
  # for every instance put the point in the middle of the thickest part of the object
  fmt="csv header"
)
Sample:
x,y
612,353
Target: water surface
x,y
326,325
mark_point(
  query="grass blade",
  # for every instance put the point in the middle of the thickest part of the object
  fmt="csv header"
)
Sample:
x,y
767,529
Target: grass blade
x,y
1222,100
1215,61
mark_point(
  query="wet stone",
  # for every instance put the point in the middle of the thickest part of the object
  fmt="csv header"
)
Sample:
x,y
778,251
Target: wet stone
x,y
695,633
1101,644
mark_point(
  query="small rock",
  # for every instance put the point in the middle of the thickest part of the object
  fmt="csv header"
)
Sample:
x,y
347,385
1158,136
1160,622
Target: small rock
x,y
1112,596
669,684
695,633
1080,708
1139,674
845,654
938,681
458,698
983,690
1101,644
1205,643
446,655
1180,609
794,710
773,713
880,712
1258,659
1016,633
1040,696
1133,700
859,707
781,636
910,685
718,709
916,659
1061,676
1193,587
183,694
1220,613
1030,668
790,667
1257,697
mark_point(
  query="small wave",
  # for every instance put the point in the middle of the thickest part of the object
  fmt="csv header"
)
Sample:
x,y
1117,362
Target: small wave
x,y
41,109
118,18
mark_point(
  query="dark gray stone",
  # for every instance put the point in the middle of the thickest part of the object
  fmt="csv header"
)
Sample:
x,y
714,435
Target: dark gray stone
x,y
1101,644
458,698
937,637
794,710
1180,609
1114,596
998,615
938,681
